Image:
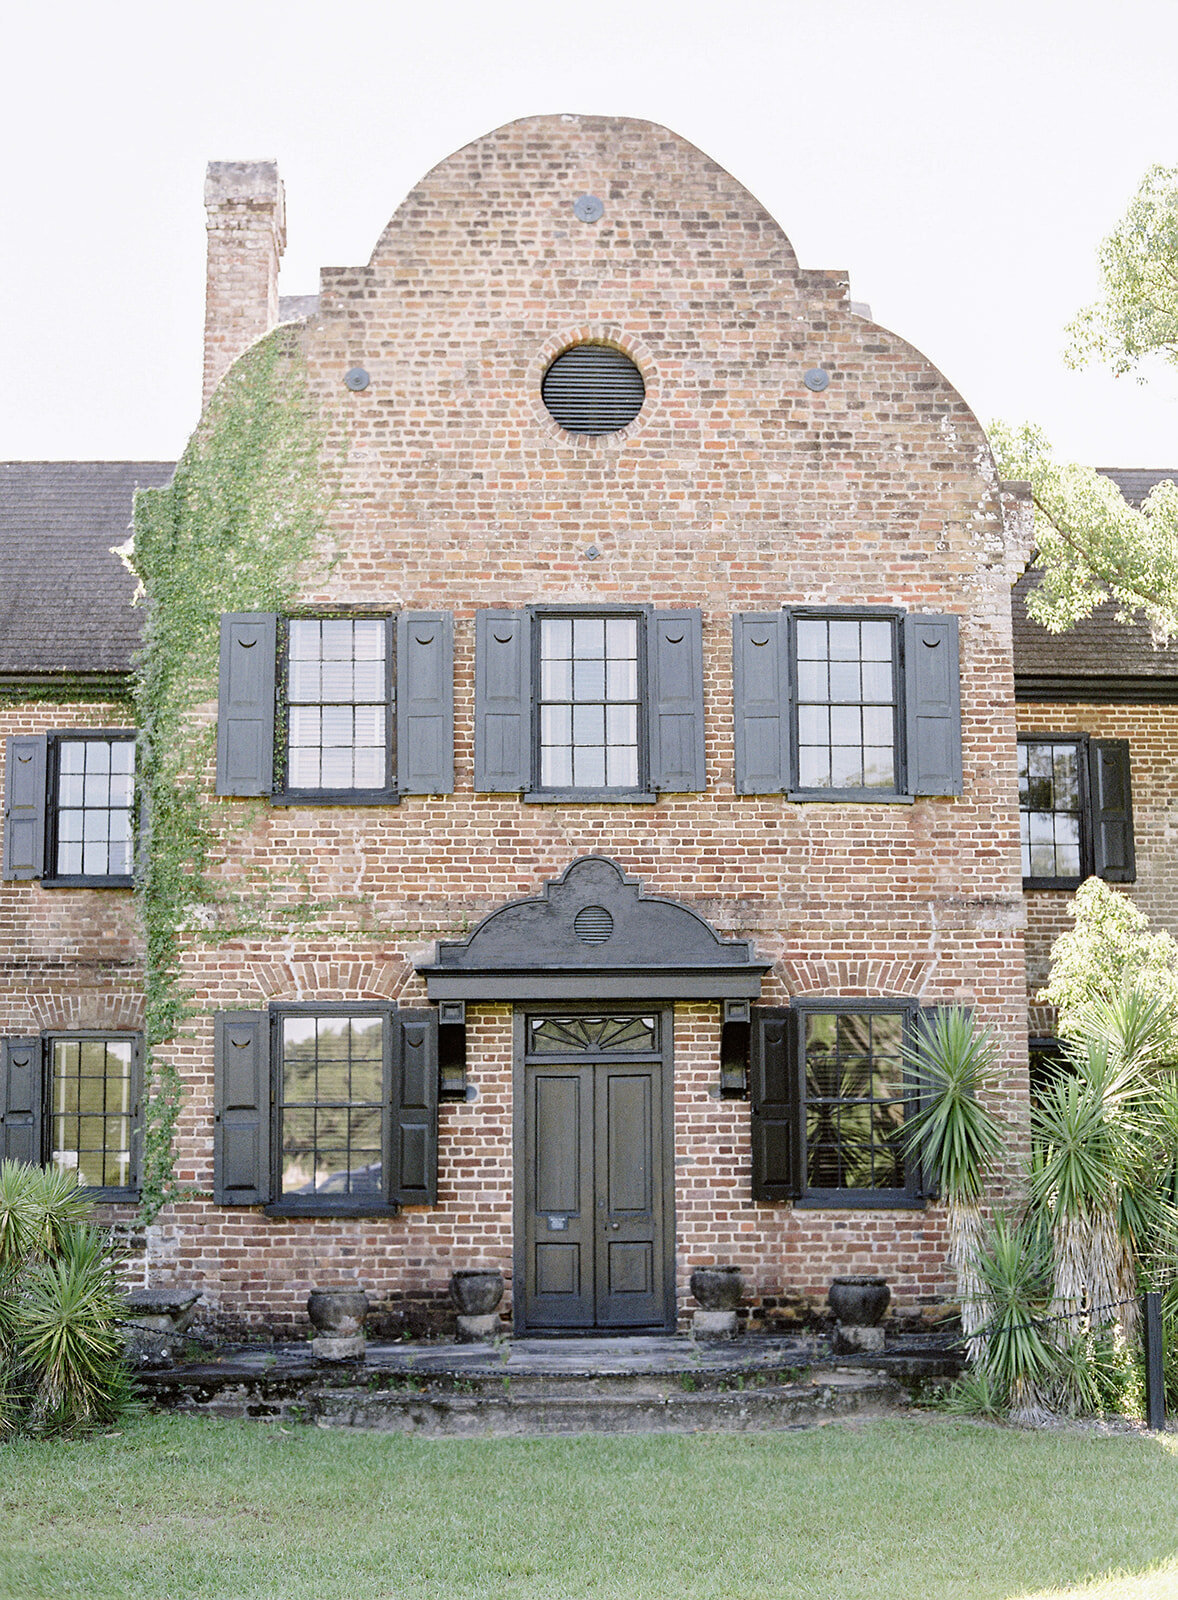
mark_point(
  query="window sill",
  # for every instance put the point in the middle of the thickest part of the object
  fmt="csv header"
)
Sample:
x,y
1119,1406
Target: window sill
x,y
108,1197
359,797
842,796
860,1200
591,797
326,1212
1069,885
87,883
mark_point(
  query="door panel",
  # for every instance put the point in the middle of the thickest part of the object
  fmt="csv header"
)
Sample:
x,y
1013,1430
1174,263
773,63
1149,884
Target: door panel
x,y
559,1226
594,1196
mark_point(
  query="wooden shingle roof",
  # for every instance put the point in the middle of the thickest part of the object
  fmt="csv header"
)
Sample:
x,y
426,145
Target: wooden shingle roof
x,y
1100,658
65,600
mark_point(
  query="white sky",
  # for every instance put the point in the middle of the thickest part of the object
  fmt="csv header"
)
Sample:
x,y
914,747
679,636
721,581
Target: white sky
x,y
963,159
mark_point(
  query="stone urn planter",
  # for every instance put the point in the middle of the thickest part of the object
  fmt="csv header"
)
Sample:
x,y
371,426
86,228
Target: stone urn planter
x,y
337,1315
858,1304
719,1291
475,1293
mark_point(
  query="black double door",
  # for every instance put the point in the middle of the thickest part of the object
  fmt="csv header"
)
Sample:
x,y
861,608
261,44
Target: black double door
x,y
595,1163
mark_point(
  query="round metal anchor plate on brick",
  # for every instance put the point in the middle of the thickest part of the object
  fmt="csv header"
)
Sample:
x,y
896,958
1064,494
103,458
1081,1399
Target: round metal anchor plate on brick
x,y
356,378
588,208
816,379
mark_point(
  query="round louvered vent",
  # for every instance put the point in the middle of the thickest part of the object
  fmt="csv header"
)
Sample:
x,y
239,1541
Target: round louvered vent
x,y
593,924
593,389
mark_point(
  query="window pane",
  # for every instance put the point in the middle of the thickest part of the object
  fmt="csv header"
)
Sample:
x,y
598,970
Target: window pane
x,y
814,767
337,717
94,806
589,767
811,641
846,711
332,1105
844,641
854,1100
588,704
90,1093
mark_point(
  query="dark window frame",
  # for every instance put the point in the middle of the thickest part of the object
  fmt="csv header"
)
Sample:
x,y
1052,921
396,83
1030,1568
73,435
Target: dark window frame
x,y
1082,743
282,793
50,1037
313,1205
50,878
894,615
640,794
911,1196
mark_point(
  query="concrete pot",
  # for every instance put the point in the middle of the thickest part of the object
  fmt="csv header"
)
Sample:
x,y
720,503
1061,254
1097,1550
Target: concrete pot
x,y
717,1288
859,1302
337,1311
337,1315
476,1291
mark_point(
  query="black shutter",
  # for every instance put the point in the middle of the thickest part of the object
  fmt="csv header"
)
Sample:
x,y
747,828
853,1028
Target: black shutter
x,y
932,679
502,702
23,1094
675,693
425,702
241,1131
245,703
760,675
24,806
776,1104
1112,810
413,1178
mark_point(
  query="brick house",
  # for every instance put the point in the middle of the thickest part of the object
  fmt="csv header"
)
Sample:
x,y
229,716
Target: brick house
x,y
630,762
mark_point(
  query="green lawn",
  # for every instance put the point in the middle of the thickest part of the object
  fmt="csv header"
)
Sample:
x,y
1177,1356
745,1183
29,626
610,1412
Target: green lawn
x,y
194,1507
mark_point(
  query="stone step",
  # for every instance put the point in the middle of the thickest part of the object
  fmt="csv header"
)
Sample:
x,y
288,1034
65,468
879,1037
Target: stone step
x,y
457,1407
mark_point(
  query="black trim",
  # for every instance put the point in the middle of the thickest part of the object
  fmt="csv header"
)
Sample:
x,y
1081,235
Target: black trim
x,y
895,616
657,948
283,794
640,794
1081,742
81,880
1108,689
910,1197
106,1193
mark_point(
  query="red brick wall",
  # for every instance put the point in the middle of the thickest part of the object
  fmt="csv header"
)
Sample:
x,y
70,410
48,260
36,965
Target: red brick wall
x,y
736,488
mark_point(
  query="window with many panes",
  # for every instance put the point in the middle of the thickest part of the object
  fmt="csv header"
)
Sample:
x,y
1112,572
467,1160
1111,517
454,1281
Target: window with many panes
x,y
338,705
347,710
589,705
580,703
1052,798
855,1097
71,1100
326,1109
92,793
846,705
91,1107
1075,810
331,1104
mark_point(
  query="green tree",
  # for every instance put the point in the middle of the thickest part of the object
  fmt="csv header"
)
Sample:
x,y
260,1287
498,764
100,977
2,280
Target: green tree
x,y
1091,545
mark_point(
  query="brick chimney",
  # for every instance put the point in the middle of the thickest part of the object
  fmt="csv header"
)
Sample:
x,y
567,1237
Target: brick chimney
x,y
246,211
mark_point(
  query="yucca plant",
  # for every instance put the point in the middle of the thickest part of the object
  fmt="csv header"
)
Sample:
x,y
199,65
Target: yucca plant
x,y
1097,1132
958,1139
67,1333
1017,1356
60,1308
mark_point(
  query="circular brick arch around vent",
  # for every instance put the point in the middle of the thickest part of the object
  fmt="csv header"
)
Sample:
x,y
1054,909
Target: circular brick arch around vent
x,y
593,388
593,924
